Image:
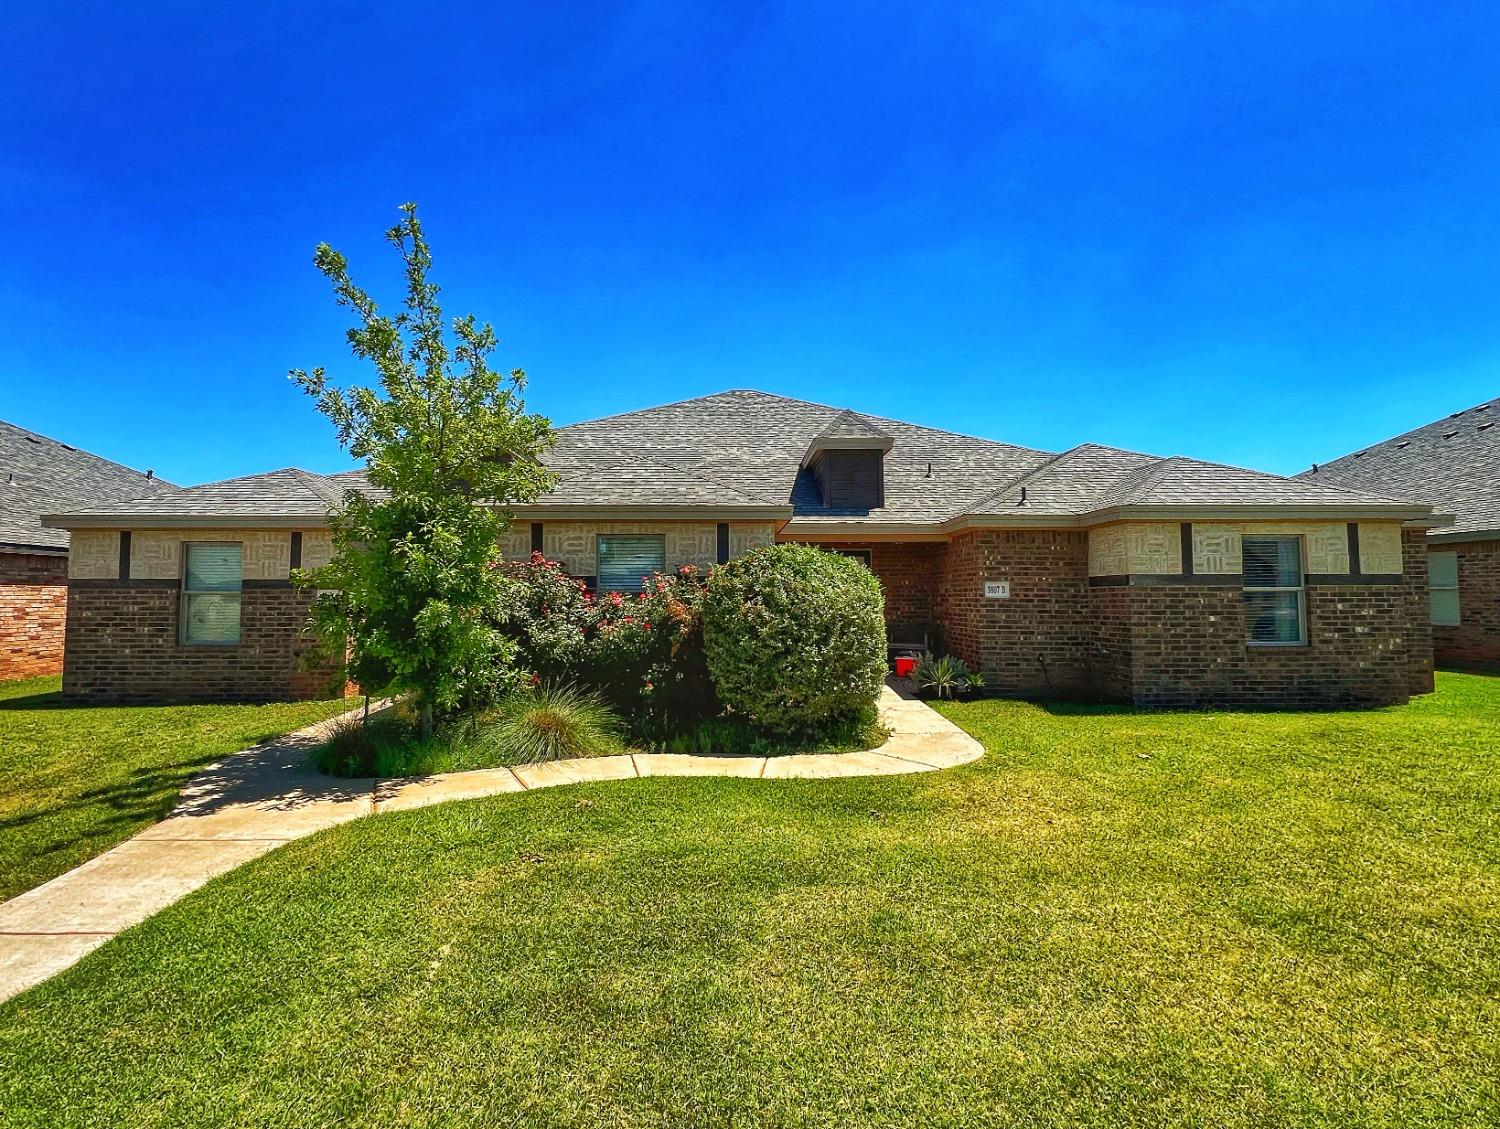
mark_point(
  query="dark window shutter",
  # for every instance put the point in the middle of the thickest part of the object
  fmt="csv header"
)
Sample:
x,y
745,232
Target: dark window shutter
x,y
723,546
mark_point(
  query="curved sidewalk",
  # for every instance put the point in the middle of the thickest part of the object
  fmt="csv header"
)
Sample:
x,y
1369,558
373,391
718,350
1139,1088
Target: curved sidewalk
x,y
256,800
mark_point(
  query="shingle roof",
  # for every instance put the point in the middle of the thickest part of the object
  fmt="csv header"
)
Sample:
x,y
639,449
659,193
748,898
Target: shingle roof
x,y
756,442
284,493
40,475
744,451
1452,463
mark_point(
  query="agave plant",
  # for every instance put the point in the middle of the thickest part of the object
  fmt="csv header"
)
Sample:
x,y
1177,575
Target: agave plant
x,y
944,677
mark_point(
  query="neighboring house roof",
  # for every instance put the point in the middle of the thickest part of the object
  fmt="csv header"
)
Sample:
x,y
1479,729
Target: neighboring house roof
x,y
1452,463
743,454
280,497
39,475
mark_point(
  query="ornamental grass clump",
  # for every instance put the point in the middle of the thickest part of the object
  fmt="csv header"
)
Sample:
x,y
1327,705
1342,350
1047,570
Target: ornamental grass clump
x,y
549,724
795,637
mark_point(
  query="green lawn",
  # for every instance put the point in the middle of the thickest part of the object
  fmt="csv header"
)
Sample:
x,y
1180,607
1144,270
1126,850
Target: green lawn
x,y
75,781
1115,918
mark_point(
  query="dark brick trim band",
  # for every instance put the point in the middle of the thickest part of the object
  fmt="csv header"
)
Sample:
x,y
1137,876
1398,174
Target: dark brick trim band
x,y
125,554
1354,566
1185,531
1353,578
297,550
127,583
722,556
536,537
251,585
1169,580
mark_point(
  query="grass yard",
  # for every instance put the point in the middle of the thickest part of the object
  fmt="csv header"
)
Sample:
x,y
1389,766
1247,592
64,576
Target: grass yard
x,y
1115,918
74,781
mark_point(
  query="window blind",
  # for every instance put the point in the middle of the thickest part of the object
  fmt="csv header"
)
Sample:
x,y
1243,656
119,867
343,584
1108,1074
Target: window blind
x,y
1442,588
1274,611
624,561
212,576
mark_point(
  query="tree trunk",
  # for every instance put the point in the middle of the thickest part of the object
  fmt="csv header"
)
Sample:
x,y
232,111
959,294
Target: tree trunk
x,y
426,721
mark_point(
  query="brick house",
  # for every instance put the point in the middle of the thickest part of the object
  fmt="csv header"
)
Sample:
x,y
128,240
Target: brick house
x,y
1154,580
39,475
1454,463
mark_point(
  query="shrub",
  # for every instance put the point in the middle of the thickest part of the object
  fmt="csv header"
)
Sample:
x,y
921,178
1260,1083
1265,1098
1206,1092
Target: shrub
x,y
548,724
642,653
794,636
944,677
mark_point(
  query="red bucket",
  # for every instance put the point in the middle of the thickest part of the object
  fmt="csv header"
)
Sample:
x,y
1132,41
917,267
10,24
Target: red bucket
x,y
905,664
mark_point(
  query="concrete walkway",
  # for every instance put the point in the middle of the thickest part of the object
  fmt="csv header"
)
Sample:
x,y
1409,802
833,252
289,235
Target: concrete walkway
x,y
256,800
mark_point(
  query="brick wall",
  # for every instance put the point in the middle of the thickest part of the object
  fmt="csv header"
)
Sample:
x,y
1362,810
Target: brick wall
x,y
122,647
1476,639
1418,611
33,610
1037,641
1188,648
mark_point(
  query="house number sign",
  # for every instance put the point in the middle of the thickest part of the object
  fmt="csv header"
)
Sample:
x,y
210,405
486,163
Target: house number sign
x,y
997,589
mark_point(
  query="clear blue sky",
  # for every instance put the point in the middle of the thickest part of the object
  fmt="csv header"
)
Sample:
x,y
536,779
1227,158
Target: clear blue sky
x,y
1262,233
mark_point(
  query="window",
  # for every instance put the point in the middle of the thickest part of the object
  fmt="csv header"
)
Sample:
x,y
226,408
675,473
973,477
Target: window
x,y
1274,611
625,560
211,580
1442,588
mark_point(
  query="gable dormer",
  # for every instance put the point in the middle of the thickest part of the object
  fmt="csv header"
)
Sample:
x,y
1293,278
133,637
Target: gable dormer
x,y
847,461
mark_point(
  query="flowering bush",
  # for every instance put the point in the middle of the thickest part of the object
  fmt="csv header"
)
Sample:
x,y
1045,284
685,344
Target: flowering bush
x,y
643,652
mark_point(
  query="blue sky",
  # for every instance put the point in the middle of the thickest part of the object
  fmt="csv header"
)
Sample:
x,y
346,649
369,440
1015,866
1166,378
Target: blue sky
x,y
1259,233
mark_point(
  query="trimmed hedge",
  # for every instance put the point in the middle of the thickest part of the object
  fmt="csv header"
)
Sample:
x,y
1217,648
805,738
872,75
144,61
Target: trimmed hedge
x,y
794,636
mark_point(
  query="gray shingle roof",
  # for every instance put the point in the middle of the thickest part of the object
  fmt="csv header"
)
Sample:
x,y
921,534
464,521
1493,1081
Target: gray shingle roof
x,y
1452,463
757,441
40,475
280,493
744,450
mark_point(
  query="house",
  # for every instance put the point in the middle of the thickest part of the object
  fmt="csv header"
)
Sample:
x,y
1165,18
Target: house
x,y
40,475
1095,571
1454,463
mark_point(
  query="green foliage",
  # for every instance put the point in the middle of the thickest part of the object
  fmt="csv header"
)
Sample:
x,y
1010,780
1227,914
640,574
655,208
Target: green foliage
x,y
449,444
642,653
794,636
946,676
548,724
733,735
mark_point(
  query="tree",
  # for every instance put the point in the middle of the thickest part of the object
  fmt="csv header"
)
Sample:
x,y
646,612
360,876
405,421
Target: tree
x,y
449,445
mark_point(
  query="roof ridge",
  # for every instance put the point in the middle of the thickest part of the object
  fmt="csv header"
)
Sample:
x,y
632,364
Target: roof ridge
x,y
1152,473
317,485
1019,480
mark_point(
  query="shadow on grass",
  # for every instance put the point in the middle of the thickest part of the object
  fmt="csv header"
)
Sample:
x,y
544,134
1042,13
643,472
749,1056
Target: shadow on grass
x,y
50,700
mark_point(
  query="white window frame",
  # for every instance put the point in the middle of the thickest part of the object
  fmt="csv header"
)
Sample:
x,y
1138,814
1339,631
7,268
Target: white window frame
x,y
1433,588
1300,588
187,593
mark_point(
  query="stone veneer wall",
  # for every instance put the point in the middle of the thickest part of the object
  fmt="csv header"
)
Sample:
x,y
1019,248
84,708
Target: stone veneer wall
x,y
1476,639
121,642
33,610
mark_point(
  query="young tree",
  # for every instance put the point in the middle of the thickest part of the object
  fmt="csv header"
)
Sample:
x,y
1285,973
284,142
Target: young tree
x,y
449,445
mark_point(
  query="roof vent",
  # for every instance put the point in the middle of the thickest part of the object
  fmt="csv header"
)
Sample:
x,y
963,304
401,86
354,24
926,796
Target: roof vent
x,y
1403,443
1450,435
150,474
1487,425
1360,454
1023,496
